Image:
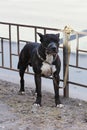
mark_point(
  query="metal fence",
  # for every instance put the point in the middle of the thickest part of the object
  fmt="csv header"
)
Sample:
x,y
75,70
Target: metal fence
x,y
14,36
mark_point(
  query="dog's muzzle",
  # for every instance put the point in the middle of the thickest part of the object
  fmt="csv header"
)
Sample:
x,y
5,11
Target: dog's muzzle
x,y
52,49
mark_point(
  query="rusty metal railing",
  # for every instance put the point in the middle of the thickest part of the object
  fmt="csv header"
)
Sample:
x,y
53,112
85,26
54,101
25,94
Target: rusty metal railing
x,y
7,42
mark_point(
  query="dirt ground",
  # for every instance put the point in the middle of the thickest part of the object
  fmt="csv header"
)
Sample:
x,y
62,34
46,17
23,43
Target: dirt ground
x,y
17,112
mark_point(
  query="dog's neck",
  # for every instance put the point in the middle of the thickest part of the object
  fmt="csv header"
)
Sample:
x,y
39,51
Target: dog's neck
x,y
47,58
41,53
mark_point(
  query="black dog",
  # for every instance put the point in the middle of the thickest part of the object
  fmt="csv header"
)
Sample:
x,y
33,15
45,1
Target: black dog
x,y
45,62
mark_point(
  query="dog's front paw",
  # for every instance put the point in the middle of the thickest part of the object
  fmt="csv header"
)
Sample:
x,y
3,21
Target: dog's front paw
x,y
59,105
37,105
38,101
21,92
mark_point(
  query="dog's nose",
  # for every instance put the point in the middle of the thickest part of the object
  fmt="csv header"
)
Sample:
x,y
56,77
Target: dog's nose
x,y
54,48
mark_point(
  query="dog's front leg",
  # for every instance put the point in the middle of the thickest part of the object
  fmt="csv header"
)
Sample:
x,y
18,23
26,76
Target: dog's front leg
x,y
38,89
56,80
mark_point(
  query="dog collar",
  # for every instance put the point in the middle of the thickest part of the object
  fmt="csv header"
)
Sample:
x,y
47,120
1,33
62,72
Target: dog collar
x,y
45,60
39,56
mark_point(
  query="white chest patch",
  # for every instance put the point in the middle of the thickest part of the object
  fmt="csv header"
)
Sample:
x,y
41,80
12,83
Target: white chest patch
x,y
47,67
49,59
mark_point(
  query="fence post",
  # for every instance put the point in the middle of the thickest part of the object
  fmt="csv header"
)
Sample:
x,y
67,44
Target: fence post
x,y
66,55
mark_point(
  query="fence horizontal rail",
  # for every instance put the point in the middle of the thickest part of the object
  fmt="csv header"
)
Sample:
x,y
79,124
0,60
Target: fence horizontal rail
x,y
30,26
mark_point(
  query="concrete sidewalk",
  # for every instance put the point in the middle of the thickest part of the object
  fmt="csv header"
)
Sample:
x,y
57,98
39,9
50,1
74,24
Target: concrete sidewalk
x,y
7,117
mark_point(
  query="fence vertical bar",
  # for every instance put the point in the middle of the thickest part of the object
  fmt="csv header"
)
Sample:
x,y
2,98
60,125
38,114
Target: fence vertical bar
x,y
77,47
44,31
2,52
66,56
18,39
10,48
35,34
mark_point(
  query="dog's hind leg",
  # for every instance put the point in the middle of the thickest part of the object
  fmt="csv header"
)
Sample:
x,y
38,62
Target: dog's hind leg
x,y
21,72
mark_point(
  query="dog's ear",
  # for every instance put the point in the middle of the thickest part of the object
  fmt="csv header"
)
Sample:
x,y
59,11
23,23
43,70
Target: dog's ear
x,y
41,36
58,39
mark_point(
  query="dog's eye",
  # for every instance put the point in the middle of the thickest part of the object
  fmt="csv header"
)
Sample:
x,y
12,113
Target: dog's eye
x,y
46,43
57,44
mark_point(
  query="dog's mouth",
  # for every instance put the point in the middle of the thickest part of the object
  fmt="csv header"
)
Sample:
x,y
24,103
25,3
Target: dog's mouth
x,y
52,51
